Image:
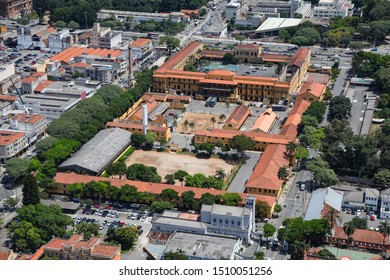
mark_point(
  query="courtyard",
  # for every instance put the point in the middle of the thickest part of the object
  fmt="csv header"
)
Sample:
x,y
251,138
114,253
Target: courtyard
x,y
201,122
169,163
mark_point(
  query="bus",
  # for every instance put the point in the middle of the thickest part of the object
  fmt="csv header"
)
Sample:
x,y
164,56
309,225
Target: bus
x,y
213,102
208,101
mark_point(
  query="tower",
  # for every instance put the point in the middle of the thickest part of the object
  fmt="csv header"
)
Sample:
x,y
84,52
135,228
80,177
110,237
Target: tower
x,y
145,118
131,74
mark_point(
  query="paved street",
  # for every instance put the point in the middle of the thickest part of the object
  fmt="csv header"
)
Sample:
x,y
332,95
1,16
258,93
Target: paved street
x,y
246,170
357,95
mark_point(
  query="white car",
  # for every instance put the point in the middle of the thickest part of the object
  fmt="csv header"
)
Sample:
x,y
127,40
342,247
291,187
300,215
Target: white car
x,y
358,212
143,219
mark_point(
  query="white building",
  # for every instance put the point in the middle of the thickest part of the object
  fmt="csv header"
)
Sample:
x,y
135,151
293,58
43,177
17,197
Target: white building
x,y
28,37
104,37
371,199
333,8
215,219
385,204
141,48
6,71
12,144
233,9
60,41
32,123
293,8
139,17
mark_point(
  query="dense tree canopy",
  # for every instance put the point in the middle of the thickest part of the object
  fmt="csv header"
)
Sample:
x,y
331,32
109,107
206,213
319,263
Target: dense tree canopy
x,y
18,168
339,108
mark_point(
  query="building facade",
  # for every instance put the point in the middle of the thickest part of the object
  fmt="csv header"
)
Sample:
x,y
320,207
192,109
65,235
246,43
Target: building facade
x,y
104,37
12,144
60,41
333,8
141,48
15,8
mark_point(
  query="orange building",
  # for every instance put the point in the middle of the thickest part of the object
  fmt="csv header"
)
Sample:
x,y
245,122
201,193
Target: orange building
x,y
237,118
265,121
227,85
311,91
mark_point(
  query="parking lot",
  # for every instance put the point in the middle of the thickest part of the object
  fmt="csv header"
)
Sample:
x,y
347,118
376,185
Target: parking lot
x,y
371,224
198,106
23,59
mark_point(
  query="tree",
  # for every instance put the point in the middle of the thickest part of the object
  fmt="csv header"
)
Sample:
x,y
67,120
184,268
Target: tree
x,y
117,168
73,25
349,230
242,143
60,24
302,153
359,223
44,145
283,173
332,217
188,198
186,124
208,147
231,199
88,229
126,237
262,209
207,198
169,194
322,173
384,229
160,206
171,42
137,140
25,236
382,177
77,190
328,95
297,249
278,208
180,175
382,79
259,255
192,125
339,108
178,255
310,34
222,117
170,179
269,230
151,137
17,168
213,121
11,202
220,174
229,58
30,190
284,35
140,172
316,109
356,46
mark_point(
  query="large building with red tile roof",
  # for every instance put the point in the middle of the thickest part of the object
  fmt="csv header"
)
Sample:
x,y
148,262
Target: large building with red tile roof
x,y
311,91
76,248
265,121
369,240
264,179
64,179
67,56
228,86
237,118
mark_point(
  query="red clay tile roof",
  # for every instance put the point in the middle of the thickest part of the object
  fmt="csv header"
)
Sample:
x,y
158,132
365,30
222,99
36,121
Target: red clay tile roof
x,y
29,80
4,256
8,137
239,115
26,257
217,82
361,235
140,42
290,127
265,174
38,254
179,56
28,118
190,12
72,52
257,136
217,72
137,125
105,250
42,85
265,121
150,104
8,98
154,188
318,77
275,57
248,46
38,74
313,88
213,53
299,57
300,107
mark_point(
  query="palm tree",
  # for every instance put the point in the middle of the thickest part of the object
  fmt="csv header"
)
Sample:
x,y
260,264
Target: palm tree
x,y
291,148
332,216
220,174
222,117
213,120
186,124
349,229
192,125
384,229
283,173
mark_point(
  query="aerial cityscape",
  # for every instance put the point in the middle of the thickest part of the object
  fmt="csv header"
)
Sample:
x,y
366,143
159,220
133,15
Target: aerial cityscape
x,y
194,130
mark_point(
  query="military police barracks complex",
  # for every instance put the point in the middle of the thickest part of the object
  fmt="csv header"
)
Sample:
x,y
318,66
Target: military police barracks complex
x,y
228,86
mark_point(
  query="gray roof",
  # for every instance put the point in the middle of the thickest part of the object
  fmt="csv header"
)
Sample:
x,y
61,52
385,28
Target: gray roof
x,y
100,151
353,196
201,246
320,197
171,213
217,209
372,192
385,192
63,204
179,222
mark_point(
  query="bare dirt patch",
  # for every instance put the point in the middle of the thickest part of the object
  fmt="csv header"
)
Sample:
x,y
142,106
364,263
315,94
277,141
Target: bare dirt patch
x,y
201,121
169,163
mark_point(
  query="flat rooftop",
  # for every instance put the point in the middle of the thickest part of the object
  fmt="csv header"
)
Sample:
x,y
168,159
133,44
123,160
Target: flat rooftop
x,y
202,246
263,71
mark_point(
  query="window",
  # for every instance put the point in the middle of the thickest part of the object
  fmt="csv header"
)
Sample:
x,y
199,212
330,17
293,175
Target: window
x,y
226,222
214,220
220,221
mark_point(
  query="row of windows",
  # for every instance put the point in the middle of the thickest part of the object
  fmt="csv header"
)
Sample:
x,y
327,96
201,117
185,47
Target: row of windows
x,y
226,222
